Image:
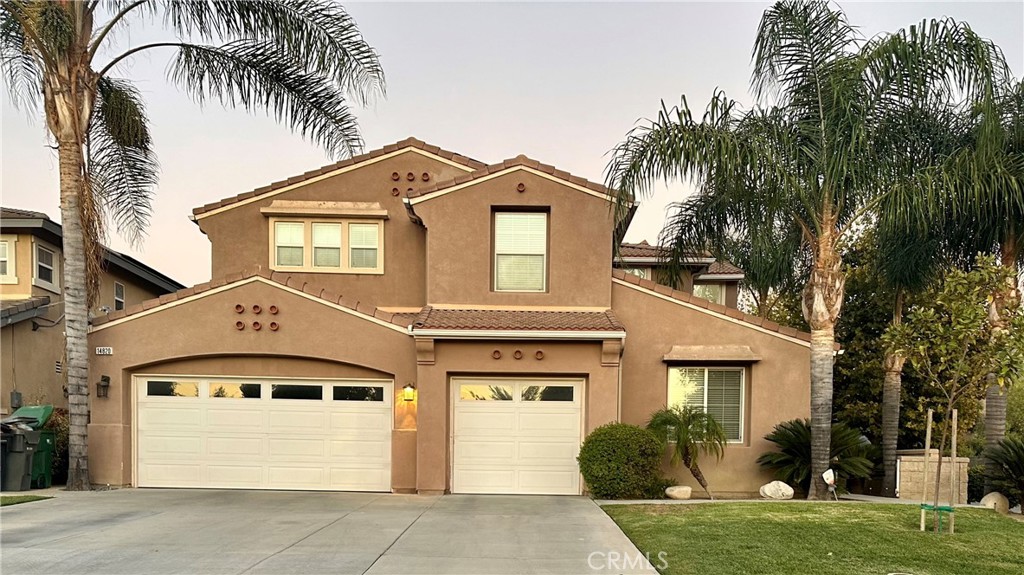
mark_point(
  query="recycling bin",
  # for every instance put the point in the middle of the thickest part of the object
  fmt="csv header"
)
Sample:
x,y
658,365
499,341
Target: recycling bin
x,y
21,447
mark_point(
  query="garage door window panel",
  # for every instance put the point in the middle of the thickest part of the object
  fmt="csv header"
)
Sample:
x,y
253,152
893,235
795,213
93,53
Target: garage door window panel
x,y
231,390
296,391
156,388
548,393
358,393
485,392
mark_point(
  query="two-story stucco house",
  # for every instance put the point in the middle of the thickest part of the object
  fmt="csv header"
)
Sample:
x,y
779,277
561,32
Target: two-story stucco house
x,y
413,320
32,310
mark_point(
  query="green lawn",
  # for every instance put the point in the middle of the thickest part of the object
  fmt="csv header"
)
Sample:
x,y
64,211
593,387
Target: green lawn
x,y
16,499
820,538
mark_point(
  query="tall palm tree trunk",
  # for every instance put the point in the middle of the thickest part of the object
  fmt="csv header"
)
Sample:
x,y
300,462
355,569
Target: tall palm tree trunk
x,y
822,302
891,395
995,395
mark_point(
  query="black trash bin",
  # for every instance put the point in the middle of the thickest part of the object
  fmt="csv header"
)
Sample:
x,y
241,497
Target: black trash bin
x,y
21,446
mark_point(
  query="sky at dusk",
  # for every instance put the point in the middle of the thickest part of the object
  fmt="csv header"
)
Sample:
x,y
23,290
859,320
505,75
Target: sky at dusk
x,y
561,83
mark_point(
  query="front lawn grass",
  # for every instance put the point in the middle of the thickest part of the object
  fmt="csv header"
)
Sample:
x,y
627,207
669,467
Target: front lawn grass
x,y
820,538
16,499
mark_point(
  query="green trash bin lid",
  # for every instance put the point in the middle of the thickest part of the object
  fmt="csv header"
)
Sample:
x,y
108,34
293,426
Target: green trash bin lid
x,y
41,413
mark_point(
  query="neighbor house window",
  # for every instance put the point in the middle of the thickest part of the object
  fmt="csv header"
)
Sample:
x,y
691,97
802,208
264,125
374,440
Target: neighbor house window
x,y
714,293
520,251
118,296
362,245
334,246
716,391
644,273
288,242
7,264
46,274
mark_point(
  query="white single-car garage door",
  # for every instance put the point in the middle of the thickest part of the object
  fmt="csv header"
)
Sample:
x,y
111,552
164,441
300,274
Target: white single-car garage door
x,y
260,433
516,436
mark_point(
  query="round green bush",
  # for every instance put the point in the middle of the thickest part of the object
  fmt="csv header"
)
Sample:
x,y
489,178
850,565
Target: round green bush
x,y
621,461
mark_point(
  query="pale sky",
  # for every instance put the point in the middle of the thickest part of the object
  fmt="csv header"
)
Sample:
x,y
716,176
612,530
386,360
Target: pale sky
x,y
561,83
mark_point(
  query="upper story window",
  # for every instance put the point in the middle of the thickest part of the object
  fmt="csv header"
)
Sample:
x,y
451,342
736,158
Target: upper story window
x,y
46,272
327,246
714,293
717,391
8,267
644,273
118,296
520,251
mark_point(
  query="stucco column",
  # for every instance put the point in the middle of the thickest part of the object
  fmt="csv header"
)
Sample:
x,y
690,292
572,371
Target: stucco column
x,y
603,387
431,422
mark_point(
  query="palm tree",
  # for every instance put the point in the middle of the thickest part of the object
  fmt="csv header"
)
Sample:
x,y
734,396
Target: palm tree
x,y
825,90
298,59
692,433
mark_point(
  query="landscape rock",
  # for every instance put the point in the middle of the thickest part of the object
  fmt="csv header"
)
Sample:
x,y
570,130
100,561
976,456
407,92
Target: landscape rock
x,y
678,492
996,501
776,490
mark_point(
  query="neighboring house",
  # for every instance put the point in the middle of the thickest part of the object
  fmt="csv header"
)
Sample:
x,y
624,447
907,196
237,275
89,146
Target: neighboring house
x,y
32,310
413,320
701,276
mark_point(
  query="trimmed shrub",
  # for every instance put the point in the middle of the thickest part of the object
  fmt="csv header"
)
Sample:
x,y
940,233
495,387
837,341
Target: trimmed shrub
x,y
850,454
621,461
60,423
975,483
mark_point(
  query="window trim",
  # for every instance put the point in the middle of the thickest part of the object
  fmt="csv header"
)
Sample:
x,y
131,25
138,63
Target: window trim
x,y
120,300
708,368
53,286
11,277
307,247
494,250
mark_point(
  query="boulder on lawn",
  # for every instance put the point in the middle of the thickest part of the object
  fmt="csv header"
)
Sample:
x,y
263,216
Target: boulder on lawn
x,y
776,490
996,501
678,492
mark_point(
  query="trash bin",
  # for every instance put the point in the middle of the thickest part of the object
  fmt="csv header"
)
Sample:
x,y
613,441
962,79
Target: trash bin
x,y
42,460
21,446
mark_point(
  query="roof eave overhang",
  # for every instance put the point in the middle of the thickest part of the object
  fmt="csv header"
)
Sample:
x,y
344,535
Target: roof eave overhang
x,y
721,277
656,260
516,334
22,316
454,187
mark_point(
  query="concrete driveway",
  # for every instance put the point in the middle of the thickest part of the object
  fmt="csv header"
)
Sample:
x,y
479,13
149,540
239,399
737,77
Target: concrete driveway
x,y
198,531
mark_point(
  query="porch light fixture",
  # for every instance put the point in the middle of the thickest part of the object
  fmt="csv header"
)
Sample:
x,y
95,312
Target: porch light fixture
x,y
103,386
409,392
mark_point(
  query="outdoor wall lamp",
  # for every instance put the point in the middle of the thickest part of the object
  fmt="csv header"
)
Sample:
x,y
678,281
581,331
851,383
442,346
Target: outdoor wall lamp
x,y
103,386
409,392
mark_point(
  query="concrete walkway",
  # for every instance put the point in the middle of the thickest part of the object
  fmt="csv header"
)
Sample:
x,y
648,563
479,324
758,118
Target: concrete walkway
x,y
204,531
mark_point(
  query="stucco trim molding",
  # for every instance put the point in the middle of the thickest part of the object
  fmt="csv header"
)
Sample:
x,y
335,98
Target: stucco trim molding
x,y
424,351
611,352
700,353
706,311
232,285
516,334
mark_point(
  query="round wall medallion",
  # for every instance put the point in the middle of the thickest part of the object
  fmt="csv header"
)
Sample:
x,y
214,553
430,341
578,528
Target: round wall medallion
x,y
539,355
425,177
518,354
395,192
274,326
257,309
257,325
239,325
496,354
521,187
239,308
410,176
395,176
273,310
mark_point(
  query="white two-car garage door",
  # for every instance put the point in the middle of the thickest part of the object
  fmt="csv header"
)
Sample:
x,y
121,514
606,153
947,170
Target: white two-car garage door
x,y
516,436
259,433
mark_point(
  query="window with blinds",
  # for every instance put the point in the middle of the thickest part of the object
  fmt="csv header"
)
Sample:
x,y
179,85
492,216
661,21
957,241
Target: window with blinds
x,y
327,245
717,391
288,241
520,251
331,246
362,245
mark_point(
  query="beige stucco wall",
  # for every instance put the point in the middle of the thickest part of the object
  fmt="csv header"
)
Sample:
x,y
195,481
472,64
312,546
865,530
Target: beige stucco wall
x,y
240,237
778,386
134,292
460,253
462,358
200,337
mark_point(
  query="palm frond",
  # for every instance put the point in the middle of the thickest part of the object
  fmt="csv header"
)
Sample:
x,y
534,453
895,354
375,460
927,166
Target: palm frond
x,y
257,75
123,169
318,34
18,65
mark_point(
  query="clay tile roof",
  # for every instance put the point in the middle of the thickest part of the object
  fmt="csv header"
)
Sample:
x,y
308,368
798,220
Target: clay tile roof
x,y
715,309
285,280
519,160
640,250
406,143
9,308
16,214
519,320
724,268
